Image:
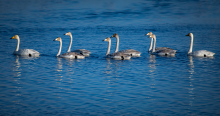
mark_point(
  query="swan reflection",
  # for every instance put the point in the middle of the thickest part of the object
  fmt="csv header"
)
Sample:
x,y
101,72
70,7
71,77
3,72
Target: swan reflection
x,y
152,62
59,68
191,72
112,66
152,66
17,68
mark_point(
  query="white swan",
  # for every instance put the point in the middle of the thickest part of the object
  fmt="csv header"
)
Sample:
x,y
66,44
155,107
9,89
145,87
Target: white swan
x,y
24,52
158,48
201,53
162,52
80,51
131,52
151,42
117,55
68,54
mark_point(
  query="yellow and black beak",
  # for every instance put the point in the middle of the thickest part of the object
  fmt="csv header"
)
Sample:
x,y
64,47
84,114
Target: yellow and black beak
x,y
13,37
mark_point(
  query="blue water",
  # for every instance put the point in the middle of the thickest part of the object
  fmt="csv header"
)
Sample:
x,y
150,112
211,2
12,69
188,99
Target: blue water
x,y
147,85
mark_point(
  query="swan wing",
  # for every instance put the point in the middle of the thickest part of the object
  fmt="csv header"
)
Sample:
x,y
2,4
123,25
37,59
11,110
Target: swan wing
x,y
166,52
131,52
27,52
202,53
83,52
119,55
72,55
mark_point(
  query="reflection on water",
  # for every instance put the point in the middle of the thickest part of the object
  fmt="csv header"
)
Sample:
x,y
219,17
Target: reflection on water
x,y
191,65
17,68
152,69
108,67
191,71
17,73
152,62
113,66
59,64
59,69
149,85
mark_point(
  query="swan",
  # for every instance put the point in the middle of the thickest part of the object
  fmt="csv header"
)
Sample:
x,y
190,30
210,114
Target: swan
x,y
80,51
162,52
68,54
151,42
201,53
131,52
117,55
158,48
24,52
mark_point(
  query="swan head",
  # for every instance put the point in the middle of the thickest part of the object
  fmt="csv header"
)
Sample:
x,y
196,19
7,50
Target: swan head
x,y
108,39
190,34
15,37
152,36
114,35
57,39
150,33
68,33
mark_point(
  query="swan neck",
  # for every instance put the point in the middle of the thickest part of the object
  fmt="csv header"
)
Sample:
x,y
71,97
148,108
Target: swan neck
x,y
154,44
60,48
191,45
109,47
151,44
18,43
117,45
71,39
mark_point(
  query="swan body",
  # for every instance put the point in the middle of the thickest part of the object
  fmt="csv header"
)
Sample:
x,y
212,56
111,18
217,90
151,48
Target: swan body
x,y
116,55
72,55
80,51
200,53
24,52
131,52
158,48
162,52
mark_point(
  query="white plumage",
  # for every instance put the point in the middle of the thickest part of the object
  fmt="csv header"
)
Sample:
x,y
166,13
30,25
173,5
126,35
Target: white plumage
x,y
200,53
158,48
163,51
72,55
80,51
131,52
116,55
24,52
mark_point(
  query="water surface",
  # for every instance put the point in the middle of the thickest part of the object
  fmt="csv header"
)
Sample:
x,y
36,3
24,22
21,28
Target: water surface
x,y
147,85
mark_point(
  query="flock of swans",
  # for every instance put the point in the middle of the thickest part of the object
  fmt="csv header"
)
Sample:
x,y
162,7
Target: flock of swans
x,y
123,54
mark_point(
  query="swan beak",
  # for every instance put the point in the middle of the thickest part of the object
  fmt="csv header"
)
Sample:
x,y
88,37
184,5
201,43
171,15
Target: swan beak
x,y
105,39
12,37
187,35
55,40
